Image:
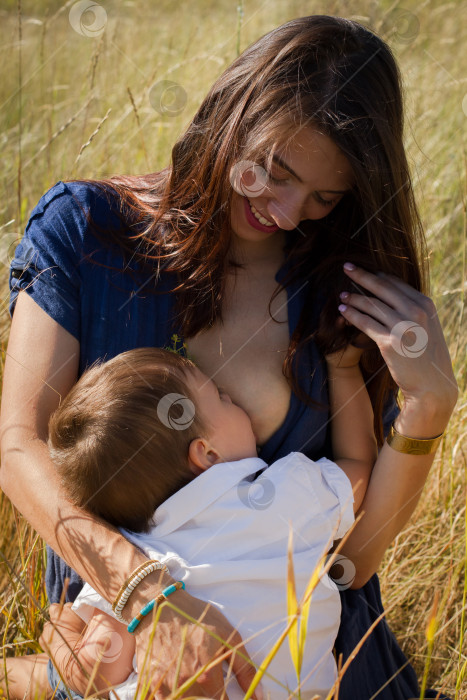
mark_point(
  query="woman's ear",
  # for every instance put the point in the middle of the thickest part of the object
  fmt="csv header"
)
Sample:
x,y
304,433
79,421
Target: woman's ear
x,y
201,456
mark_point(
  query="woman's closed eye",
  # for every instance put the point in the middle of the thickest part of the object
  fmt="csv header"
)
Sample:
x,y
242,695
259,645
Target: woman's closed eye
x,y
325,202
319,199
278,181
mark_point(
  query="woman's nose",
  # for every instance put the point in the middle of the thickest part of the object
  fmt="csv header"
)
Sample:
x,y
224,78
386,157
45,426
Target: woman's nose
x,y
287,215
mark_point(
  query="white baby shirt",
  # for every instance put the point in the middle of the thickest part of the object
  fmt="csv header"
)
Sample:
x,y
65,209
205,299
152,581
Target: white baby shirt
x,y
225,534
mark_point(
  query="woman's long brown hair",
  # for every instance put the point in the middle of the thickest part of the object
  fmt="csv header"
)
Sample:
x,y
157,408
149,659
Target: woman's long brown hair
x,y
326,72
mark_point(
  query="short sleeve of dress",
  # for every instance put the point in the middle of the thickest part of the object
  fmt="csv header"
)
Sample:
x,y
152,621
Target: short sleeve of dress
x,y
45,262
339,483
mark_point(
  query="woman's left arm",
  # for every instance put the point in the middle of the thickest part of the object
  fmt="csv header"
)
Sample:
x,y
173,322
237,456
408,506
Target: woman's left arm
x,y
405,325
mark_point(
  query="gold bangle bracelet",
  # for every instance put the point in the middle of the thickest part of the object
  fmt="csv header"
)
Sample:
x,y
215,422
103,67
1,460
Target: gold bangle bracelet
x,y
412,446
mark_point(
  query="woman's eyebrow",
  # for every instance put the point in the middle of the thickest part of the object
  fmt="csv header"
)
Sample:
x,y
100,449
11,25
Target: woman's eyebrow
x,y
283,164
277,159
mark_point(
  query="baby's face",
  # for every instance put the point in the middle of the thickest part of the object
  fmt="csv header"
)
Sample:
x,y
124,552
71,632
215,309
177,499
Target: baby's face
x,y
230,431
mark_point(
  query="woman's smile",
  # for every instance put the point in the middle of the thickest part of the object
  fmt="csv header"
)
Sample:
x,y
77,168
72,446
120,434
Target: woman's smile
x,y
256,219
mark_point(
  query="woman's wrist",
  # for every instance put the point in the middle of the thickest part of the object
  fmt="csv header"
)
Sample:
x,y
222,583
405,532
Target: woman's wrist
x,y
423,418
150,587
129,585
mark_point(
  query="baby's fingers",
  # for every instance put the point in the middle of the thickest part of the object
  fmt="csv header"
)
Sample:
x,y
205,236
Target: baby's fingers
x,y
45,640
63,617
56,610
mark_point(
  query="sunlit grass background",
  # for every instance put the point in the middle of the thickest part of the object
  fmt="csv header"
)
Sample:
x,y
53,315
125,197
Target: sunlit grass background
x,y
80,106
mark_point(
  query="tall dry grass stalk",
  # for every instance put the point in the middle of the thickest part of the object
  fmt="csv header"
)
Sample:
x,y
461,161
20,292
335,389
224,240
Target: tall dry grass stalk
x,y
65,112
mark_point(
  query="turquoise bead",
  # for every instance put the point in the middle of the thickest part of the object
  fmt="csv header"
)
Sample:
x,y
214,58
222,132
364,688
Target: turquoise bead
x,y
149,606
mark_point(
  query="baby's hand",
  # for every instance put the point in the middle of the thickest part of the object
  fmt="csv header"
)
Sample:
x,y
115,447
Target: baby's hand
x,y
64,629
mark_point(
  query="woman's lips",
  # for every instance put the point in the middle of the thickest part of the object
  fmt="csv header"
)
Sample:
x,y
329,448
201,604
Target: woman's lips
x,y
253,221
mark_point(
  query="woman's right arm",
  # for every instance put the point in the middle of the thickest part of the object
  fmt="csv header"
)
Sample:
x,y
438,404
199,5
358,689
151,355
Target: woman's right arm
x,y
41,365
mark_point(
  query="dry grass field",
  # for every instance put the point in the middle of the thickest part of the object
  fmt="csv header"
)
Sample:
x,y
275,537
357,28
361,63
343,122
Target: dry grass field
x,y
81,103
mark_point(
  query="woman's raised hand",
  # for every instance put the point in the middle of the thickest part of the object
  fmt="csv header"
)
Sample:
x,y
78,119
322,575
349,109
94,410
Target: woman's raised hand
x,y
180,649
404,323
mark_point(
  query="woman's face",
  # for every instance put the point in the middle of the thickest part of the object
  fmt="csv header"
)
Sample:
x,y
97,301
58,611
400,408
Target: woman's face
x,y
307,180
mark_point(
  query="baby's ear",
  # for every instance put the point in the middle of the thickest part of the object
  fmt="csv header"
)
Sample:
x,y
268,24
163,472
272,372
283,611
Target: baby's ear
x,y
201,456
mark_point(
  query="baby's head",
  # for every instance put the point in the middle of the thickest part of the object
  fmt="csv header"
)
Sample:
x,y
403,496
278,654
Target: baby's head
x,y
135,429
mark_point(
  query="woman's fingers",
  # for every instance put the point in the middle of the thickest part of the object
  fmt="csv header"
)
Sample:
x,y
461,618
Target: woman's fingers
x,y
384,287
194,693
368,325
405,326
202,643
396,309
385,315
208,685
244,671
412,293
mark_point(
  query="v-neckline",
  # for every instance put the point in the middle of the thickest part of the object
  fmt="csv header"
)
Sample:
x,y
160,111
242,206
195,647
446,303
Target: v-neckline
x,y
294,290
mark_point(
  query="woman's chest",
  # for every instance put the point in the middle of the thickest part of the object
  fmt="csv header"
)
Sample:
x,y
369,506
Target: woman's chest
x,y
244,355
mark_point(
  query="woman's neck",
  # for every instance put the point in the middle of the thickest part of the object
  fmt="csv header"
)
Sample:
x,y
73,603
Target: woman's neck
x,y
258,253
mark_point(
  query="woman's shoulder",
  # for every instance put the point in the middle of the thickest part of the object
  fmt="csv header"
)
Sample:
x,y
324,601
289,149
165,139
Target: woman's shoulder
x,y
82,191
70,221
73,205
69,256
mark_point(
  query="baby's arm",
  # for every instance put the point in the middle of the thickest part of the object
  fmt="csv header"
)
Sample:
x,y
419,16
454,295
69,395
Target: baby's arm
x,y
353,440
102,649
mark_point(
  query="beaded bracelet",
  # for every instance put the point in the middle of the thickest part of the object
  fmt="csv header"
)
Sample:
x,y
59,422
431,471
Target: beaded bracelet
x,y
156,601
132,581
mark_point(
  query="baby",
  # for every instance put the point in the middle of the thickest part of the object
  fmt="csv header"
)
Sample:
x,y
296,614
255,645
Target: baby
x,y
153,446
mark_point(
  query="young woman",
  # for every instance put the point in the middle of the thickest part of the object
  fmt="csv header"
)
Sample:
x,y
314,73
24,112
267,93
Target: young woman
x,y
293,165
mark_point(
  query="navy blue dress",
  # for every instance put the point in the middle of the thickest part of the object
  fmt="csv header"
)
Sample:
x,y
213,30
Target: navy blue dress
x,y
110,311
